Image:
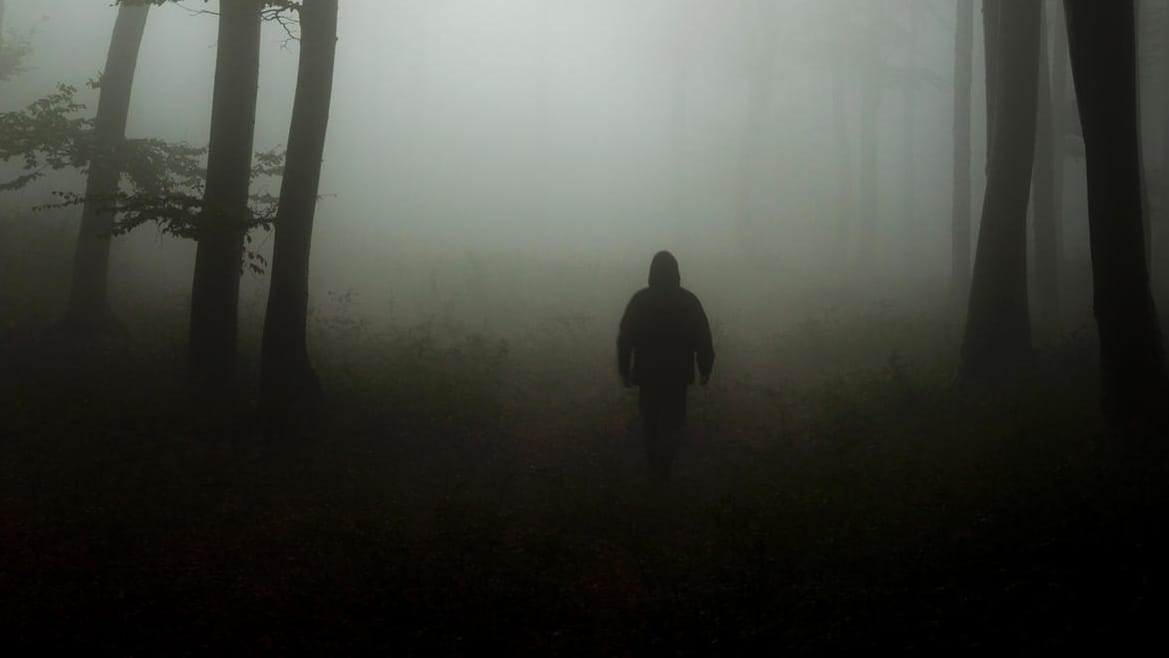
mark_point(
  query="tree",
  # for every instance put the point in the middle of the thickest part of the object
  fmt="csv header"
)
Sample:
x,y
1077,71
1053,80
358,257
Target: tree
x,y
287,378
680,42
991,10
910,128
998,325
1160,245
88,312
872,70
1060,123
1102,42
842,149
960,216
1043,192
223,224
12,52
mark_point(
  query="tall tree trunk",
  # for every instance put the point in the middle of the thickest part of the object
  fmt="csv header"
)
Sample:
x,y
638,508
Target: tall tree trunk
x,y
909,135
960,212
215,291
88,312
843,150
870,104
1060,121
1043,198
1102,40
286,377
998,325
679,111
1160,246
991,11
1146,208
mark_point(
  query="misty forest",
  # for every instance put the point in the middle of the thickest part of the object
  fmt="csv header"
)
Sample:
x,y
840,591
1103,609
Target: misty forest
x,y
329,327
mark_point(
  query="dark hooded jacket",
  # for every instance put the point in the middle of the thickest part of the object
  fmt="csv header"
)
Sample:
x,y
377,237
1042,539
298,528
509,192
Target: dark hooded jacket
x,y
664,331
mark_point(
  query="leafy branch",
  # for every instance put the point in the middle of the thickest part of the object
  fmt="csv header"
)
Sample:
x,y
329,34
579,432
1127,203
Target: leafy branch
x,y
162,182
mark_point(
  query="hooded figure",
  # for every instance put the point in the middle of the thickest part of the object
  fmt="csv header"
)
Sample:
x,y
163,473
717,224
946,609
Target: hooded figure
x,y
663,333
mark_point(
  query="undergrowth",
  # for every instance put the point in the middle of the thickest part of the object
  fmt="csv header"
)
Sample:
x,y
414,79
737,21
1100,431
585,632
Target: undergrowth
x,y
469,491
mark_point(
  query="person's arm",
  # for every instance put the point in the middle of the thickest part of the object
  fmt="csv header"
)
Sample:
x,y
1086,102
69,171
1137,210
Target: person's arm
x,y
704,344
625,346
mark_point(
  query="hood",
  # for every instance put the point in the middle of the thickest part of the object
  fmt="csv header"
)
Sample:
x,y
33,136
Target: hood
x,y
663,271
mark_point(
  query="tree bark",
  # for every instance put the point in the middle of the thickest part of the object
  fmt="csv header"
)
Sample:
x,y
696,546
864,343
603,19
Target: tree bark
x,y
1102,40
287,380
88,311
215,291
1043,198
1160,245
1060,121
998,325
960,212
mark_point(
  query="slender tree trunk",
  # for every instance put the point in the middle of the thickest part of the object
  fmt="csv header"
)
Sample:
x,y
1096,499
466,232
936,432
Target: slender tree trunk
x,y
960,215
755,126
1146,207
870,104
991,11
286,378
679,111
215,291
1060,120
88,312
998,325
843,155
1102,40
909,146
1043,198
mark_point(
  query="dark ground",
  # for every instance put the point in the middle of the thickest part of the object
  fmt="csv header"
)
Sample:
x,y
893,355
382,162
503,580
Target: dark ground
x,y
459,498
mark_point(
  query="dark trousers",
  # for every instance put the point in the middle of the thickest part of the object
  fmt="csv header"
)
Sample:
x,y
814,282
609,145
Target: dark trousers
x,y
663,413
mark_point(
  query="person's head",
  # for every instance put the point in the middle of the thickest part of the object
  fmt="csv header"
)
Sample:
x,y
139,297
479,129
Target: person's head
x,y
663,271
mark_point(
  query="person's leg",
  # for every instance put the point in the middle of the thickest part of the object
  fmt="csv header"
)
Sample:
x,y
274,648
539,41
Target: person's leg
x,y
672,420
650,421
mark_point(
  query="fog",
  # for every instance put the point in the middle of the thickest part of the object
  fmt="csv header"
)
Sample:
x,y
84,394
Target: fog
x,y
452,409
473,139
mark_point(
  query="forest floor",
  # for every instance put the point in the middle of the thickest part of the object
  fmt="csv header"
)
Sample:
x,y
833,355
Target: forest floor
x,y
464,495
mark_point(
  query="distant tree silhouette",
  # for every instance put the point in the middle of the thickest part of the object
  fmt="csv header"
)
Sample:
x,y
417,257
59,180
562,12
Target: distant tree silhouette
x,y
991,11
960,235
1043,190
843,150
12,51
998,326
1102,42
215,290
764,41
870,89
1061,122
910,128
287,378
88,311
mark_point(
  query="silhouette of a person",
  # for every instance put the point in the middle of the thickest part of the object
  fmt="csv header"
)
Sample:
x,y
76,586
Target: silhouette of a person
x,y
663,332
